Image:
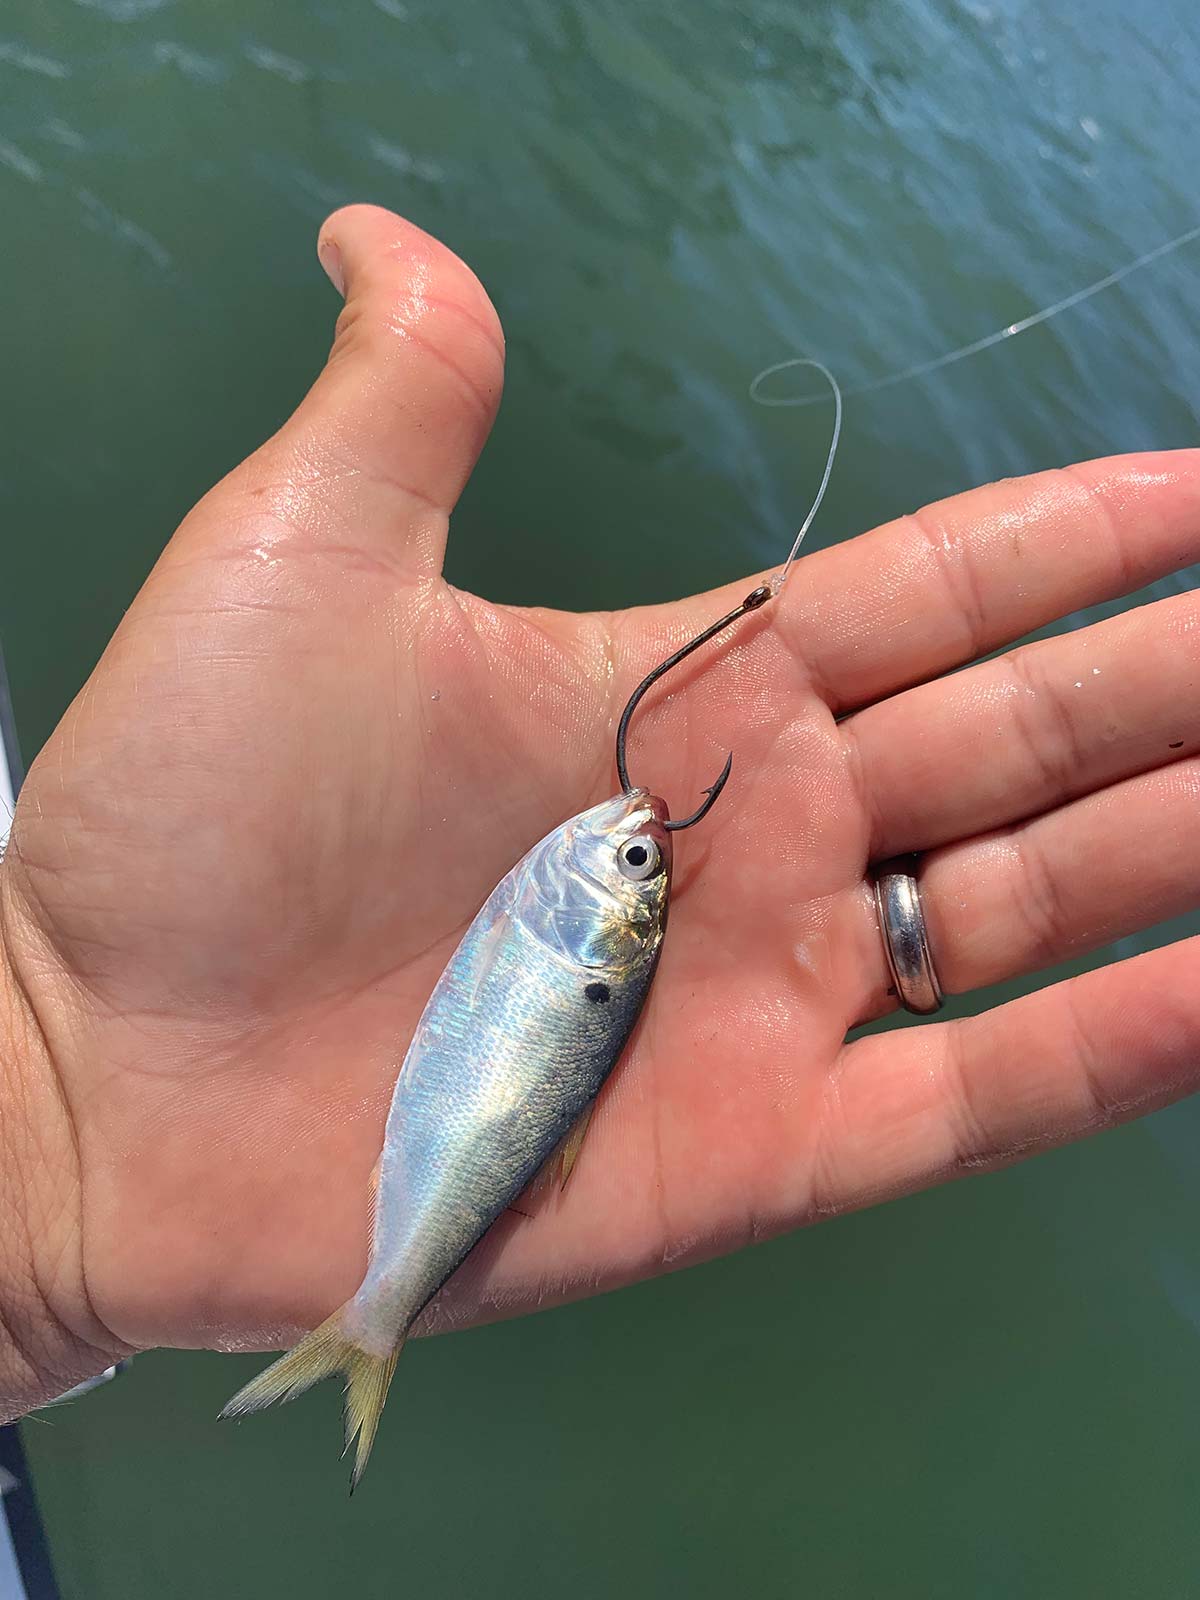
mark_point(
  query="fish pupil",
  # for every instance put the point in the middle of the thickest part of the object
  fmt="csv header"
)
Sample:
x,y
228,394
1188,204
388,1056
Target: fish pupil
x,y
597,993
637,855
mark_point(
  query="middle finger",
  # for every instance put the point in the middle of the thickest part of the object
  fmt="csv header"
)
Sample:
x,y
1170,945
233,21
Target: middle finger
x,y
1015,736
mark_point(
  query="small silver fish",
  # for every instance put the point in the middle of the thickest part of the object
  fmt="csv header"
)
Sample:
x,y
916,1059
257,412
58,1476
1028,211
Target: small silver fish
x,y
519,1035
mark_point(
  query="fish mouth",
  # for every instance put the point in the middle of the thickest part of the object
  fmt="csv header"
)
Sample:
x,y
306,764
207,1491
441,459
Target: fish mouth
x,y
660,812
644,813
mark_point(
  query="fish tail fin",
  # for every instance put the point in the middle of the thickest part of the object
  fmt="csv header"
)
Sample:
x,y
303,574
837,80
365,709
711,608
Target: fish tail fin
x,y
368,1379
321,1353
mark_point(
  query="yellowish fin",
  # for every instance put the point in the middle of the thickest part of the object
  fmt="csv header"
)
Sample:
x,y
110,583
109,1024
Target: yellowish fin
x,y
554,1174
320,1354
572,1145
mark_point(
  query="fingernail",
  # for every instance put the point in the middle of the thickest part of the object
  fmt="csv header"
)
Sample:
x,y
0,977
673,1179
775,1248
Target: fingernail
x,y
330,258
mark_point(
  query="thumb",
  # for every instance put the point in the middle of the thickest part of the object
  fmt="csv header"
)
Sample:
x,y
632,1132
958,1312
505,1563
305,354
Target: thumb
x,y
381,447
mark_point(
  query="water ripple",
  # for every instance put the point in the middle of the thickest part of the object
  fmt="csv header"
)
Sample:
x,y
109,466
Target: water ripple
x,y
63,133
29,61
17,161
125,10
118,227
400,160
281,66
193,66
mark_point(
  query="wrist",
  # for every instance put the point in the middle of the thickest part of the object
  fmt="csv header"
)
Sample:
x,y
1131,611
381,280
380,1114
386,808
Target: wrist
x,y
49,1338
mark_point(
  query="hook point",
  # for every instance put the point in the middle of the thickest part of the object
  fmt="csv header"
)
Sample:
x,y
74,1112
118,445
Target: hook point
x,y
711,795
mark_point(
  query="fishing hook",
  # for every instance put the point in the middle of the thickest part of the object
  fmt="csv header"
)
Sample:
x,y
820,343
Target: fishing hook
x,y
756,598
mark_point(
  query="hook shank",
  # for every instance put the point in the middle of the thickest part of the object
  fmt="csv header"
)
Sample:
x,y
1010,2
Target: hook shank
x,y
756,598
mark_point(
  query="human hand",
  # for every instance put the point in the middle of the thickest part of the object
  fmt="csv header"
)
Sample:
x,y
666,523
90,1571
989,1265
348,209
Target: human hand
x,y
304,760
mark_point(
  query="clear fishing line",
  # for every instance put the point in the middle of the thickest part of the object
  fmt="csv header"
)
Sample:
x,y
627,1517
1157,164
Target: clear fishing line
x,y
780,578
920,369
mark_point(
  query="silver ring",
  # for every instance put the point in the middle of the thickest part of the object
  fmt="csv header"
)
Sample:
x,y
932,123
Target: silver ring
x,y
906,941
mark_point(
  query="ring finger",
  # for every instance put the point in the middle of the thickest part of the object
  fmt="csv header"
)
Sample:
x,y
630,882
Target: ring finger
x,y
1023,898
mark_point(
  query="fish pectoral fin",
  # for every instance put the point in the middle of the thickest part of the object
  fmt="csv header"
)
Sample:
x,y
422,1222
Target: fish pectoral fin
x,y
554,1174
487,954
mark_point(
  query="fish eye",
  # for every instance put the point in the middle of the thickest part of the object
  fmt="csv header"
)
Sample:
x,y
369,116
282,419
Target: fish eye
x,y
639,858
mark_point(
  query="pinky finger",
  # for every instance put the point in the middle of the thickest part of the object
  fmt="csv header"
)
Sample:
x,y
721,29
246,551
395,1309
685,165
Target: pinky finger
x,y
909,1108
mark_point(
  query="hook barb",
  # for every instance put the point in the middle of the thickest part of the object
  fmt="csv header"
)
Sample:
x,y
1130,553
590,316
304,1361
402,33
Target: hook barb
x,y
756,598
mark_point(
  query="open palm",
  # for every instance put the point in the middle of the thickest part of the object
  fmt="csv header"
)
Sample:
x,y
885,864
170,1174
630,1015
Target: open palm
x,y
242,860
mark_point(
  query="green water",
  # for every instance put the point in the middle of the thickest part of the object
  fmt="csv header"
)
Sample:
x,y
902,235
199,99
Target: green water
x,y
985,1391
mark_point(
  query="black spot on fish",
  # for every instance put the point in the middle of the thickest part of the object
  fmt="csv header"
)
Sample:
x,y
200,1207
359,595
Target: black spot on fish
x,y
597,993
1178,745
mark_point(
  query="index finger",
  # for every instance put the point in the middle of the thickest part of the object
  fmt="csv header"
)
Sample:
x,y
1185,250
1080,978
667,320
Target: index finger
x,y
934,590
